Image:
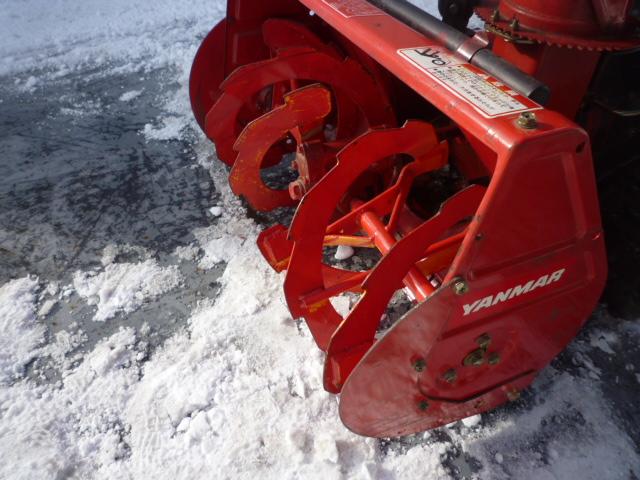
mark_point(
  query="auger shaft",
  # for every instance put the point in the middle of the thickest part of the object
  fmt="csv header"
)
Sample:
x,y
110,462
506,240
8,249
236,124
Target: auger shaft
x,y
414,280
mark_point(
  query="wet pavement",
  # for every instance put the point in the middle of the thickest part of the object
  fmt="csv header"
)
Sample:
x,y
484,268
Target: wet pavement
x,y
78,175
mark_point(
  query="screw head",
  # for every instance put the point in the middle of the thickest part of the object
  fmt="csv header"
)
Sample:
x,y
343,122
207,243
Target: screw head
x,y
474,359
423,405
484,340
494,358
528,120
460,287
297,189
420,365
450,375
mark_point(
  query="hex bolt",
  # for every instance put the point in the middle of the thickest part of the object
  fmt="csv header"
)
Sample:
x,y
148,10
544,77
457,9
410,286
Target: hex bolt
x,y
450,375
494,358
484,341
475,358
460,287
420,365
297,189
423,405
527,120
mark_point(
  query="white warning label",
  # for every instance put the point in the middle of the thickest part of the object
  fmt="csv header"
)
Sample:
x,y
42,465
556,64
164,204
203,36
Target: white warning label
x,y
489,96
430,57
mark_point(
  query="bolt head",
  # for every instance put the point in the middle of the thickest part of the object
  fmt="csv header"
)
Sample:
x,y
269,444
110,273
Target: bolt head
x,y
474,359
528,120
450,376
460,287
484,340
494,358
420,365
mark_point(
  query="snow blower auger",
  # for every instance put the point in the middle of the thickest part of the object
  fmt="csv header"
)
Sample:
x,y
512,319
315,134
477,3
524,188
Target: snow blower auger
x,y
450,161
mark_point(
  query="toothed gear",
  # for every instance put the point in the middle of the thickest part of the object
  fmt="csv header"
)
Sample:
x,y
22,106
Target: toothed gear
x,y
520,34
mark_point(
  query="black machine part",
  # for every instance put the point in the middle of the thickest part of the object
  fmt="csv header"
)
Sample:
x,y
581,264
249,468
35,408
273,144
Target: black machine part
x,y
457,13
611,115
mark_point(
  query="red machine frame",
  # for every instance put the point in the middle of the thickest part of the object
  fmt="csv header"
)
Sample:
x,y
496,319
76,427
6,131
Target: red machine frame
x,y
531,263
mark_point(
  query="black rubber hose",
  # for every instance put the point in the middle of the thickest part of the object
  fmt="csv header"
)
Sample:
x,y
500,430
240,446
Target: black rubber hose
x,y
451,38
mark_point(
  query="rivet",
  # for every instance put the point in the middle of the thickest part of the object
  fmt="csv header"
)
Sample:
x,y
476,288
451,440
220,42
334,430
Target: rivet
x,y
475,358
484,340
460,287
423,405
420,365
528,120
494,358
450,375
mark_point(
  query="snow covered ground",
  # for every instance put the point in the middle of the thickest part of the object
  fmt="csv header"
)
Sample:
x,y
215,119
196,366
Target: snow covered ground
x,y
141,333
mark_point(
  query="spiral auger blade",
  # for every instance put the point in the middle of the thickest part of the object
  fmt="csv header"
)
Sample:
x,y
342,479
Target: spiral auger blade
x,y
241,102
416,254
300,118
306,100
214,58
311,283
207,72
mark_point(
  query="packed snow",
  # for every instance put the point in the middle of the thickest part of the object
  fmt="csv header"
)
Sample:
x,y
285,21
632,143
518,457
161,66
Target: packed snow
x,y
20,332
343,252
123,287
130,95
237,391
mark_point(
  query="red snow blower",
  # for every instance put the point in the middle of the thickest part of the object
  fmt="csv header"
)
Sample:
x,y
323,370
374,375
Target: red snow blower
x,y
451,159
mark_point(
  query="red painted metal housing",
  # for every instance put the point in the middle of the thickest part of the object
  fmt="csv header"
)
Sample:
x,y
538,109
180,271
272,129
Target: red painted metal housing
x,y
539,216
520,278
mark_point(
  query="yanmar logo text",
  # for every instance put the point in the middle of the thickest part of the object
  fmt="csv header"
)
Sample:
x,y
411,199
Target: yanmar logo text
x,y
513,292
